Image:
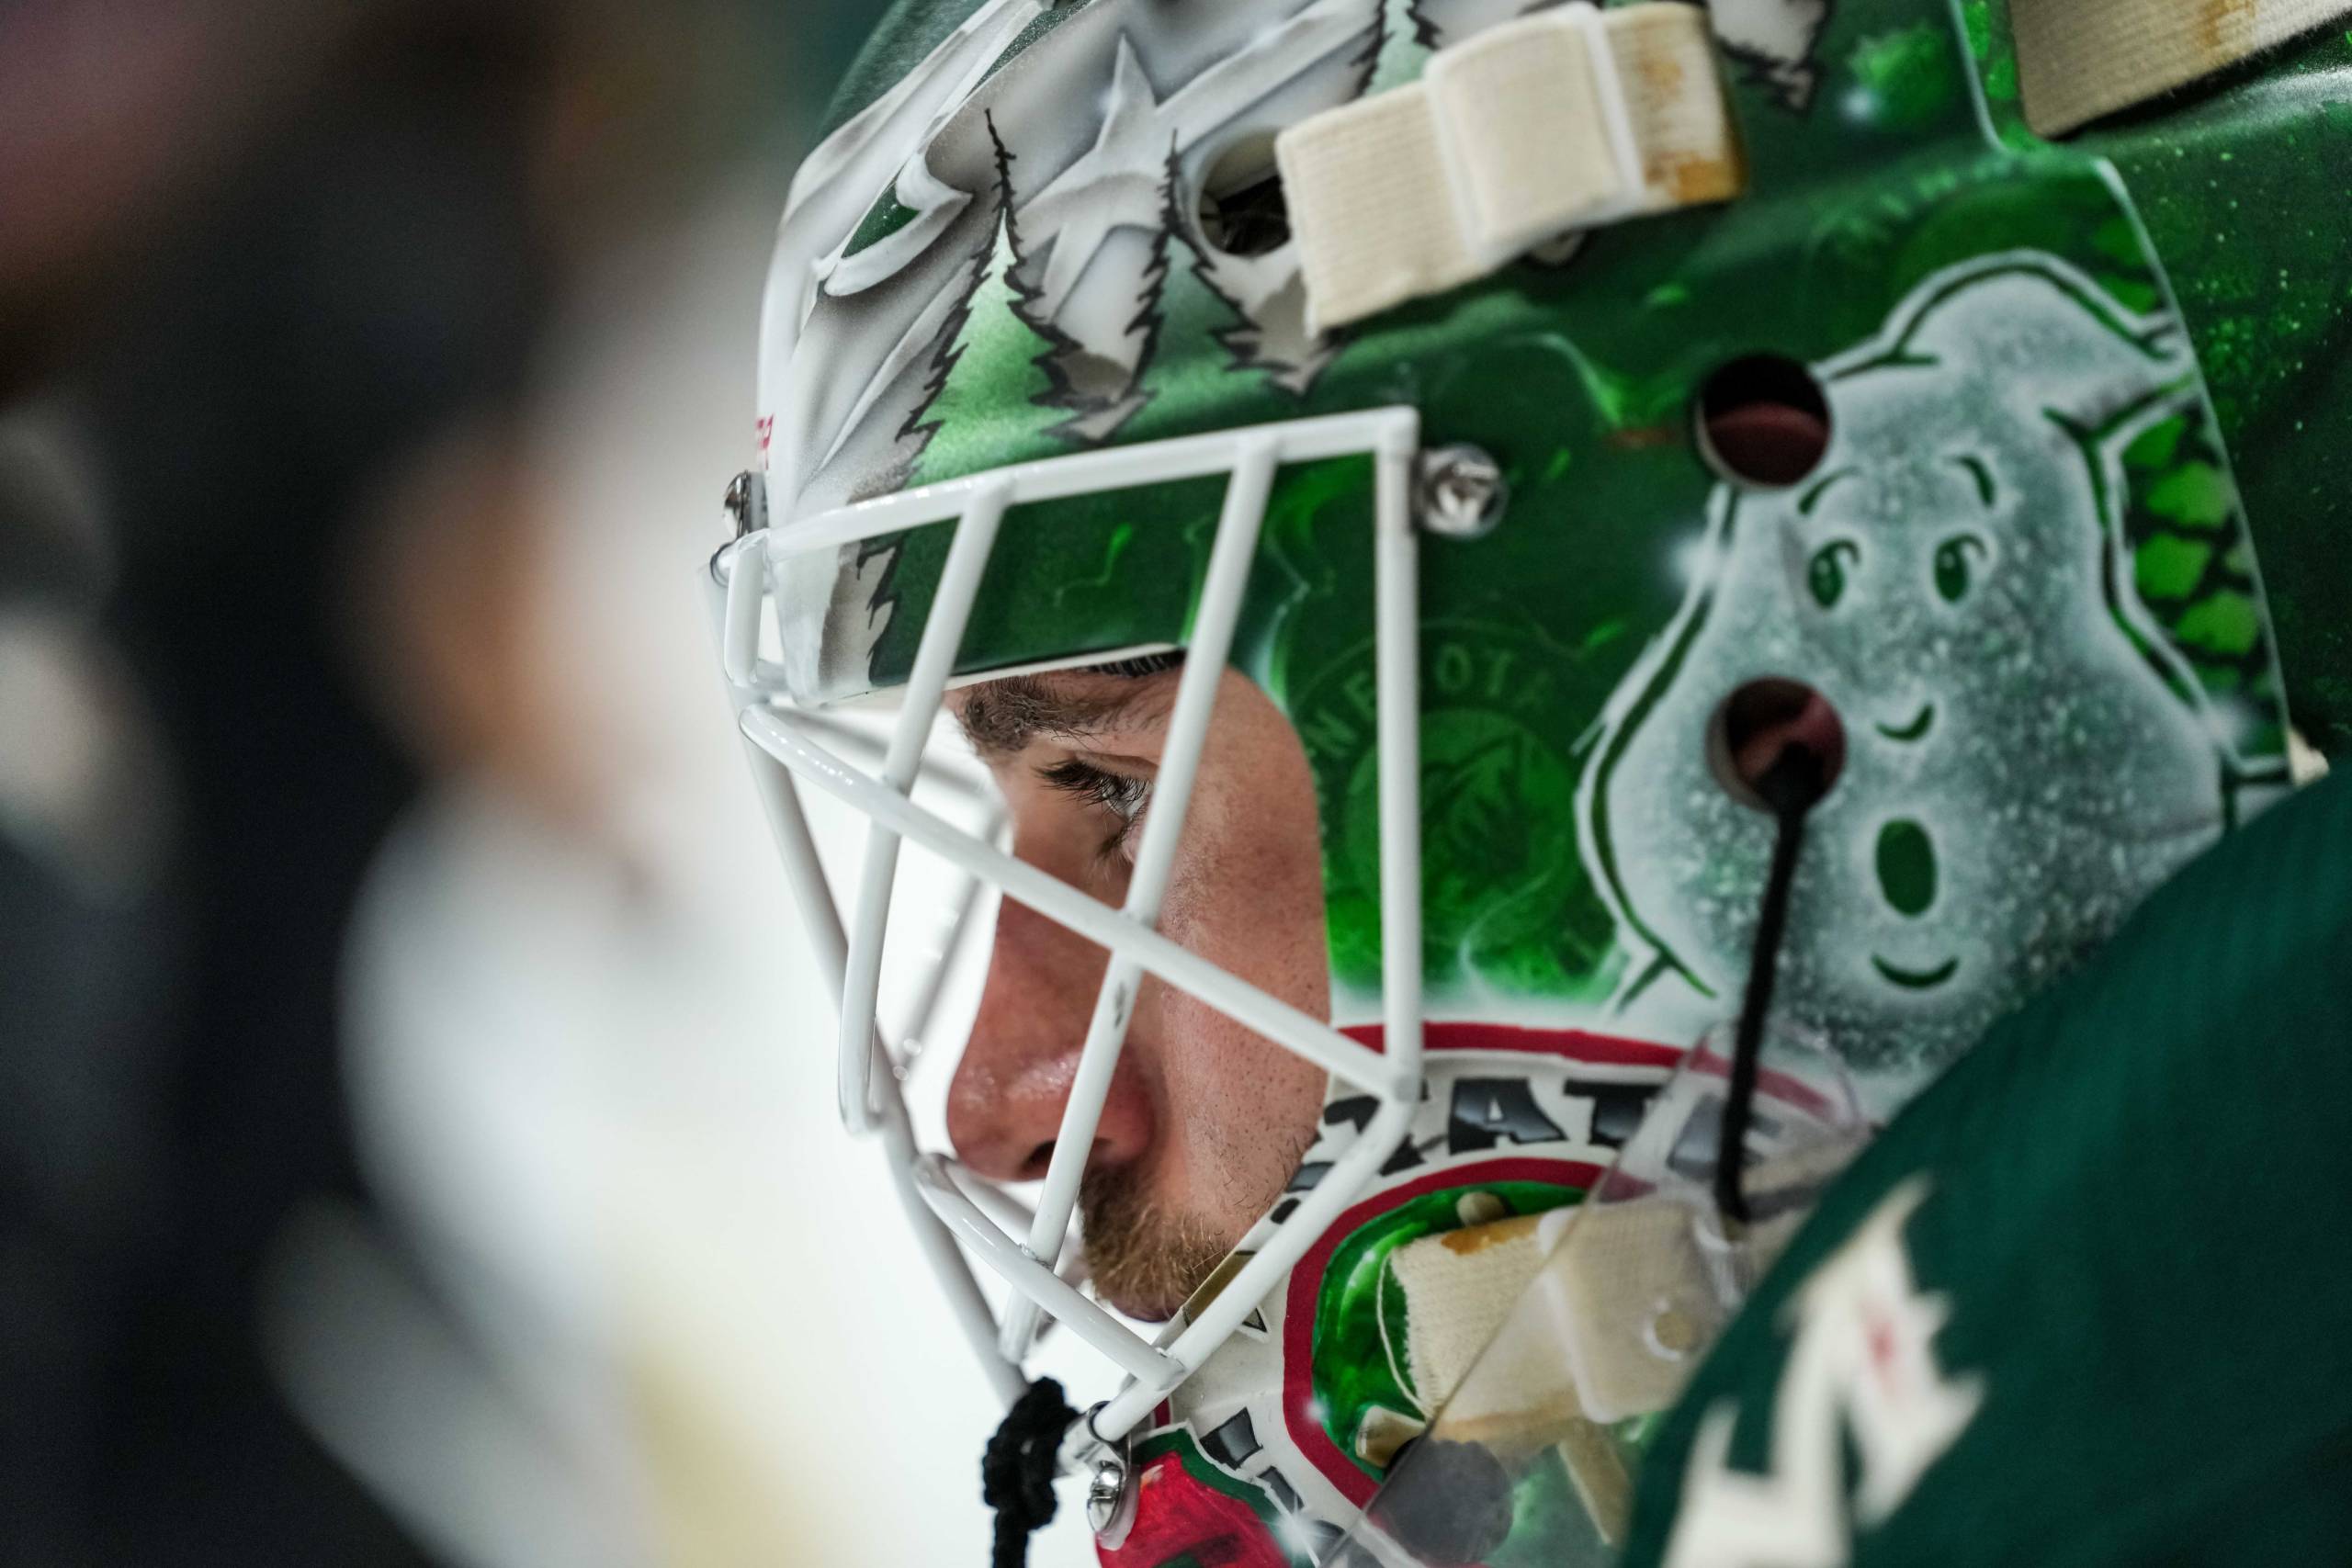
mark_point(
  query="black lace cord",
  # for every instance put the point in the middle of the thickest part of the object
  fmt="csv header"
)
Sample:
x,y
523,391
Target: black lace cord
x,y
1790,786
1017,1470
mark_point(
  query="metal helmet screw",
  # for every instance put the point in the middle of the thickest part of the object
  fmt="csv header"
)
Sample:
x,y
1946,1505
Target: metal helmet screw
x,y
1106,1498
1459,492
747,502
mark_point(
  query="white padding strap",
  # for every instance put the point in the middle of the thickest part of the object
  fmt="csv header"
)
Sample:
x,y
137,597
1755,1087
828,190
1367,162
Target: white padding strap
x,y
1563,120
2080,58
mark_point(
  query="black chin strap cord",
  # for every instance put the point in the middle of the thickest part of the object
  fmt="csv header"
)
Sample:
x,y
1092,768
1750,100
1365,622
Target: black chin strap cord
x,y
1017,1470
1789,787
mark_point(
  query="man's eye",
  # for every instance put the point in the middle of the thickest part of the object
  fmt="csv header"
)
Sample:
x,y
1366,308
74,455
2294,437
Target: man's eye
x,y
1122,794
1117,793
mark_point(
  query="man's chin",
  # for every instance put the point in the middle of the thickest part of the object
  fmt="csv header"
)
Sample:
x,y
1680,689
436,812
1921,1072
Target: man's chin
x,y
1141,1259
1153,1309
1161,1291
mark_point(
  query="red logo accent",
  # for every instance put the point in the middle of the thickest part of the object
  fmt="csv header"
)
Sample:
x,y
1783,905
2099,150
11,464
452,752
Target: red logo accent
x,y
1580,1046
1569,1045
1880,1337
1180,1518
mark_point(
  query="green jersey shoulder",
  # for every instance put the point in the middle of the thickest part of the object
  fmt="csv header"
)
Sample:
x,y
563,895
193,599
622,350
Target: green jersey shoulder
x,y
2087,1301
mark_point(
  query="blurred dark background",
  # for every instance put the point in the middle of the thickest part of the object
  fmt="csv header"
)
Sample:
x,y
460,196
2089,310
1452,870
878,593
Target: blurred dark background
x,y
296,302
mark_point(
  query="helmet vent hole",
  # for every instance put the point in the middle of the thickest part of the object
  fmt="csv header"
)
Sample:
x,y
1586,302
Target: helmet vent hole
x,y
1763,421
1242,209
1770,725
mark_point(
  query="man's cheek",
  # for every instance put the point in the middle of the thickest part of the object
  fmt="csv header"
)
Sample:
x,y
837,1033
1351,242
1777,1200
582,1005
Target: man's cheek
x,y
1254,907
1239,1106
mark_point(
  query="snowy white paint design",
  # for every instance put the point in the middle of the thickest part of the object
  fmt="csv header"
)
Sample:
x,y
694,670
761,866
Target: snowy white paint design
x,y
1103,213
1094,114
1951,579
838,181
934,207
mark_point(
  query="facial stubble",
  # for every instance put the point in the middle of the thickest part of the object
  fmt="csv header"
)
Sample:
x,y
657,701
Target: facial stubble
x,y
1146,1258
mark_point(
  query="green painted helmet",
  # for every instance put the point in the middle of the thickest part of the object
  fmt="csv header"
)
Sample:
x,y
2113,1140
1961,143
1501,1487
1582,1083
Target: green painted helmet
x,y
1526,399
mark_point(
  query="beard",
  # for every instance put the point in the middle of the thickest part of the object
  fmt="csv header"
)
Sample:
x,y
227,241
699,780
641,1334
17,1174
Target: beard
x,y
1147,1259
1141,1257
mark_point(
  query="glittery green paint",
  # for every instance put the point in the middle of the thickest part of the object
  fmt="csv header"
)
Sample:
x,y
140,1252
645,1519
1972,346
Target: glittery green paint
x,y
1904,79
2240,184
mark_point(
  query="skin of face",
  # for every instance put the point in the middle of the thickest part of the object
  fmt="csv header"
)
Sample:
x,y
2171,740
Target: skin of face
x,y
1205,1122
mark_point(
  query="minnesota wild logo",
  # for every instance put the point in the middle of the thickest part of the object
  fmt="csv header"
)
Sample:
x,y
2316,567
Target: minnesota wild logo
x,y
1505,897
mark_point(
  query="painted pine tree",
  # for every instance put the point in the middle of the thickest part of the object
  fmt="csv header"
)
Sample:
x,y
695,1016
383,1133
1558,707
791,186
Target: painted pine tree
x,y
1182,311
1396,46
994,396
1158,370
1267,299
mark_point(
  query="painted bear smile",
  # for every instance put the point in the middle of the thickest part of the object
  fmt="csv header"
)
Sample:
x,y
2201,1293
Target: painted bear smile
x,y
1917,979
1913,731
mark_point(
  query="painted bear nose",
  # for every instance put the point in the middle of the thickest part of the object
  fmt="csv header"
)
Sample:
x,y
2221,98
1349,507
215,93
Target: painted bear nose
x,y
1906,866
1765,722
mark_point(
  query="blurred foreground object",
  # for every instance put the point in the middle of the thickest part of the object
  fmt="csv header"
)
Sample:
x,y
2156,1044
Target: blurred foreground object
x,y
2090,1288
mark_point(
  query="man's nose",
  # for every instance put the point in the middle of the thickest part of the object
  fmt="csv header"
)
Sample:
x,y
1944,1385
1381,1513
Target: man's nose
x,y
1004,1108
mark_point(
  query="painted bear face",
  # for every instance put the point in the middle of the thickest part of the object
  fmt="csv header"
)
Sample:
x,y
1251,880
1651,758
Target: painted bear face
x,y
2017,773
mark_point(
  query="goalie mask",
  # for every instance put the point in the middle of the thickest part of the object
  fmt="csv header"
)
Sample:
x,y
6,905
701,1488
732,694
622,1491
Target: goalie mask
x,y
1673,470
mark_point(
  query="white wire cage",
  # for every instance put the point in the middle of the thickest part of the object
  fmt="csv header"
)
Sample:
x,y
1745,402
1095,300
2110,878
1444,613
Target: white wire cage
x,y
954,1213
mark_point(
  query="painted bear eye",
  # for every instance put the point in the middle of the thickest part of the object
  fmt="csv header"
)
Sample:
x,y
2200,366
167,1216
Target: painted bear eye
x,y
1954,575
1827,574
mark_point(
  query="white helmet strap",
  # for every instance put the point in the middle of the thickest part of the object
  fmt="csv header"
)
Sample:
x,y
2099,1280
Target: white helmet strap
x,y
2076,62
1563,120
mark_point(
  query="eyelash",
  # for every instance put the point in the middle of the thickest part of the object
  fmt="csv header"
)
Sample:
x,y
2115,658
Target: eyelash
x,y
1123,797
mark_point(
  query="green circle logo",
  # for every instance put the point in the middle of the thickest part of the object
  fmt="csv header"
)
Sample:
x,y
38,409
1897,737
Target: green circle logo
x,y
1504,899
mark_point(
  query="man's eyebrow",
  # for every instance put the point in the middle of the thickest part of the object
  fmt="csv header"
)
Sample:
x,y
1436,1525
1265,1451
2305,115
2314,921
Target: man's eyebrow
x,y
1003,717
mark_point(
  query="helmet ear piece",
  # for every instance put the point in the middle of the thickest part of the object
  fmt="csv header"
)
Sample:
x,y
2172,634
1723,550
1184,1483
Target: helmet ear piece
x,y
2032,323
